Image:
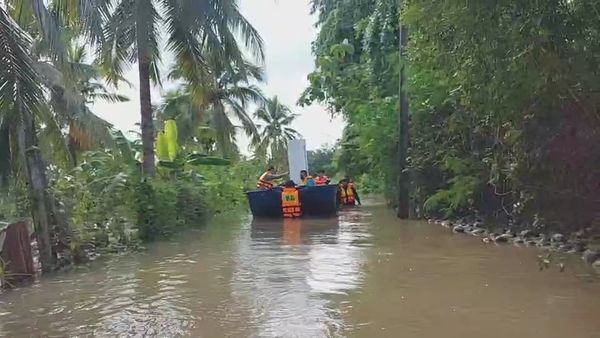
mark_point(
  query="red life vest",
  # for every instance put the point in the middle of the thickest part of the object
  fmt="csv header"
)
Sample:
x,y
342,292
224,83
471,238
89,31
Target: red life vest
x,y
290,203
321,180
262,183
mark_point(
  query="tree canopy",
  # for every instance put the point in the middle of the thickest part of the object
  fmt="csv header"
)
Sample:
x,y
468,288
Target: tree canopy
x,y
503,102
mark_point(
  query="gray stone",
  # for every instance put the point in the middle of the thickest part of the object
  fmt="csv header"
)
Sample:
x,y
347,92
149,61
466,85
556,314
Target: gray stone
x,y
446,224
542,243
458,228
590,256
502,238
518,240
559,238
565,247
478,224
596,265
577,244
528,234
478,232
509,231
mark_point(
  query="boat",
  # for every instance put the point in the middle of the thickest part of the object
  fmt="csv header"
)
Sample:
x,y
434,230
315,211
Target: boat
x,y
317,201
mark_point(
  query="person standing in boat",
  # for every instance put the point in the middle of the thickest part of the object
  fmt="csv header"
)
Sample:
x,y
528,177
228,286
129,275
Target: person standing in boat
x,y
290,201
322,179
266,180
306,179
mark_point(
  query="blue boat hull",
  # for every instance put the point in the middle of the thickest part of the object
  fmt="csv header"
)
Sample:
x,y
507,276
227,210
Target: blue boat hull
x,y
317,201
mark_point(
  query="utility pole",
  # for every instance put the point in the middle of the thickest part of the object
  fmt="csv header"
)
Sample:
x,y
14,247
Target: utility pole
x,y
403,177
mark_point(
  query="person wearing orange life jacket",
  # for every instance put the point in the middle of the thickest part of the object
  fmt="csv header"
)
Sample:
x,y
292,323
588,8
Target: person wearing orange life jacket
x,y
290,201
265,181
348,193
322,179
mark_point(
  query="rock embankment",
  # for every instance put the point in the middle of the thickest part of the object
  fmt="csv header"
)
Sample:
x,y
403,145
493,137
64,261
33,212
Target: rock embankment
x,y
584,243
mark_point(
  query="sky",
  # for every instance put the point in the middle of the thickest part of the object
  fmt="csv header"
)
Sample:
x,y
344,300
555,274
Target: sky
x,y
287,29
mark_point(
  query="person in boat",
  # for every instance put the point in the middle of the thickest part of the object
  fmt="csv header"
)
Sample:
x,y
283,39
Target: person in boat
x,y
266,180
322,179
290,201
347,192
306,179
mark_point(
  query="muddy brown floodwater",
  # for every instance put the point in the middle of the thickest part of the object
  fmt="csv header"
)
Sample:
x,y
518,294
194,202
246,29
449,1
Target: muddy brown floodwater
x,y
365,274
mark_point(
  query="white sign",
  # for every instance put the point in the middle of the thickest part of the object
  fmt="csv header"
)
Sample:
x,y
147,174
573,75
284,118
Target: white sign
x,y
297,159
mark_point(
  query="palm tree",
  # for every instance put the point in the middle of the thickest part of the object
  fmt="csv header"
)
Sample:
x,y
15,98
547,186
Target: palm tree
x,y
24,111
69,99
192,28
274,124
21,104
220,96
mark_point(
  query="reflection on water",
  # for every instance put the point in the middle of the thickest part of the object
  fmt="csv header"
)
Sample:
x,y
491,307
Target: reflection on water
x,y
364,274
288,267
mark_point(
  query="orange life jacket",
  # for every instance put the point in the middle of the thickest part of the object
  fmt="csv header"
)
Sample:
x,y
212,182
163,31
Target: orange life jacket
x,y
321,180
347,194
262,183
290,203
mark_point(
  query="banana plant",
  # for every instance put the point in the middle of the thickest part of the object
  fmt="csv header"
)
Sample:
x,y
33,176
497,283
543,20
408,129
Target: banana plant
x,y
170,154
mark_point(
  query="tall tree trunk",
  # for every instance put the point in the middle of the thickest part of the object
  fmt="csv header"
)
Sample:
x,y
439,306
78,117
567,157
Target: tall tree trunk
x,y
221,129
38,185
72,148
146,112
403,177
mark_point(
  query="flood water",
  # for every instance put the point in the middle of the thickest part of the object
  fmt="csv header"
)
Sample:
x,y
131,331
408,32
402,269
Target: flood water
x,y
365,274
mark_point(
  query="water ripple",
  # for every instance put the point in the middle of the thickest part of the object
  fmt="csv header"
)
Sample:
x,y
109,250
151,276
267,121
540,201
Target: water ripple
x,y
359,275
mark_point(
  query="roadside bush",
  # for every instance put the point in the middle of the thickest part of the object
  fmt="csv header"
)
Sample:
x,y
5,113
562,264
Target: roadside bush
x,y
109,204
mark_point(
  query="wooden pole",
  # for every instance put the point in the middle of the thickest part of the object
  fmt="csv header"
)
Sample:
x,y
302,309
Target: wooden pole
x,y
403,128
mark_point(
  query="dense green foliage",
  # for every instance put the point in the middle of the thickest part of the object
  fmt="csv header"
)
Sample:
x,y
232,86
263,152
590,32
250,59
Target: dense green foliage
x,y
357,76
323,159
520,117
504,103
86,184
107,201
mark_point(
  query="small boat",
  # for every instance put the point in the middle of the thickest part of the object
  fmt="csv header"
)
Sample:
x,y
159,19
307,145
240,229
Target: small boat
x,y
317,201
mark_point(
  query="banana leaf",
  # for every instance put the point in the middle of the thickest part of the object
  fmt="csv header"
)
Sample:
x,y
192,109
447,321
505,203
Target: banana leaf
x,y
171,129
162,147
126,147
170,164
209,160
195,156
171,137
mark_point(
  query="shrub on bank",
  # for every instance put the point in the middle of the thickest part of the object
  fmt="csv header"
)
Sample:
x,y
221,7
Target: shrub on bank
x,y
110,206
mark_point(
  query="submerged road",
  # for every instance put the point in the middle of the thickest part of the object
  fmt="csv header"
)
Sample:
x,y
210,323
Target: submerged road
x,y
364,274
